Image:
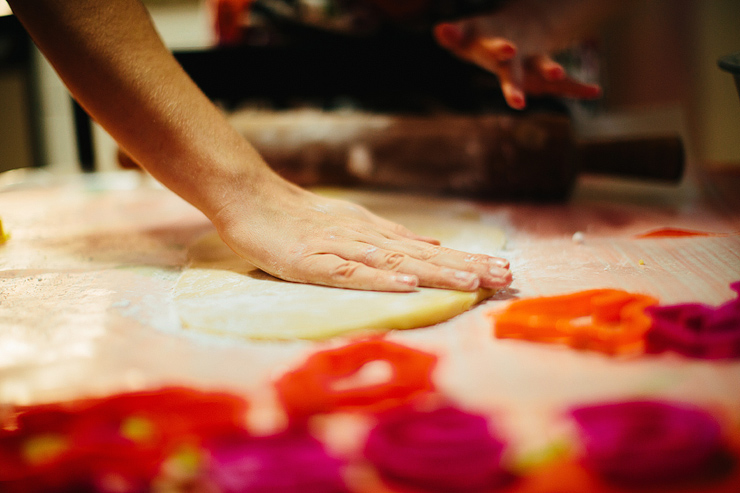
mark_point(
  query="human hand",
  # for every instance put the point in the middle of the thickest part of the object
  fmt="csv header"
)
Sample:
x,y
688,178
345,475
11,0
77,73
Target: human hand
x,y
298,236
176,133
515,43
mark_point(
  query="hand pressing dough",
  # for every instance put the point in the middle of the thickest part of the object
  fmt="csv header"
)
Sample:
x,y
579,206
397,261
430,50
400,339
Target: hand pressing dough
x,y
221,293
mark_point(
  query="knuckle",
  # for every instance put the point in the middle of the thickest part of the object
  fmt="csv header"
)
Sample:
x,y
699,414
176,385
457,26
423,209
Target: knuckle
x,y
392,260
370,253
345,270
430,252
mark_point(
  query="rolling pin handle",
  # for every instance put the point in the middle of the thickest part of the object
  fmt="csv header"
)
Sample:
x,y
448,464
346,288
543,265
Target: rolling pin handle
x,y
653,158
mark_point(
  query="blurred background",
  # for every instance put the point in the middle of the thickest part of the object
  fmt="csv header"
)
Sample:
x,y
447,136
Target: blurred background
x,y
657,64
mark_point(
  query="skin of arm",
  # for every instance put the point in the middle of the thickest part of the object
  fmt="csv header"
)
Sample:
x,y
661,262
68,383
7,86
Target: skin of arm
x,y
114,63
516,41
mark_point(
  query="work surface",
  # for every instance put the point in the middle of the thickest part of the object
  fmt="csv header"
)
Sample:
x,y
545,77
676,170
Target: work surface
x,y
87,277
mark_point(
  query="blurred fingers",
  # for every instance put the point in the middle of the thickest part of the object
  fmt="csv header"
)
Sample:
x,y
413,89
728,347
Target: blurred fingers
x,y
548,68
566,87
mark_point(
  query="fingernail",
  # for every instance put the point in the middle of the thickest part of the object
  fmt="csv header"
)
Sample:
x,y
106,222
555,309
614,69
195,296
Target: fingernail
x,y
514,96
556,73
507,50
499,262
498,271
516,101
498,280
500,49
449,34
467,278
406,280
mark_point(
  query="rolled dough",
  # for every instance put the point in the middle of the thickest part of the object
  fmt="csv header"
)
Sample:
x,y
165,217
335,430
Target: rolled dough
x,y
221,293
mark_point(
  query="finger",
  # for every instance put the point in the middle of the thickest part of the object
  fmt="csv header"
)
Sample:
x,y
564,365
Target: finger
x,y
335,271
572,88
451,36
448,256
511,85
568,87
508,73
498,55
492,272
548,68
498,49
428,273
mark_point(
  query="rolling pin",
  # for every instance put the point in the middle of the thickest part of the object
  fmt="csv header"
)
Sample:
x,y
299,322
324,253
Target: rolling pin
x,y
489,156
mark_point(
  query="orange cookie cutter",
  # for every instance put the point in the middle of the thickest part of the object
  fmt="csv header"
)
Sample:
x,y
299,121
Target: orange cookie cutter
x,y
308,390
611,321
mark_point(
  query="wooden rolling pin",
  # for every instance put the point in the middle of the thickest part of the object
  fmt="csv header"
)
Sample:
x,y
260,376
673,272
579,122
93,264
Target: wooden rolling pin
x,y
496,156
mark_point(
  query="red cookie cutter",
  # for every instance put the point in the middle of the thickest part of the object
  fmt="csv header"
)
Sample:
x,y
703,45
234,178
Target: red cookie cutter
x,y
678,233
308,390
50,447
607,320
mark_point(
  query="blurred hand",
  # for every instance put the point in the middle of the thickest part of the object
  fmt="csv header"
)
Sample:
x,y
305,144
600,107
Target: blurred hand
x,y
516,44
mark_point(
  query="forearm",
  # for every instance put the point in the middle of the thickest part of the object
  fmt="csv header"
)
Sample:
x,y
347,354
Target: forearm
x,y
112,60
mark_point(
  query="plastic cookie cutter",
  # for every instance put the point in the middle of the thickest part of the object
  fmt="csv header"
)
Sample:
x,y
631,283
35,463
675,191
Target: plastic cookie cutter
x,y
607,320
70,446
443,449
290,461
697,330
680,233
640,443
310,389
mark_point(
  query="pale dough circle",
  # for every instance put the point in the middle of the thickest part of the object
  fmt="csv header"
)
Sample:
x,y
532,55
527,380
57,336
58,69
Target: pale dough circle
x,y
221,293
